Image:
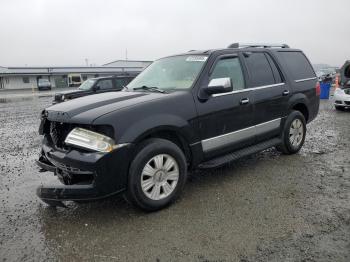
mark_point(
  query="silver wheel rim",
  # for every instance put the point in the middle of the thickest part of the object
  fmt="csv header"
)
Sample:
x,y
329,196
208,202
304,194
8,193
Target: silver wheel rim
x,y
159,177
296,133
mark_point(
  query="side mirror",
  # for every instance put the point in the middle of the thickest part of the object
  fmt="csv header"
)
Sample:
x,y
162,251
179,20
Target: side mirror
x,y
96,87
218,86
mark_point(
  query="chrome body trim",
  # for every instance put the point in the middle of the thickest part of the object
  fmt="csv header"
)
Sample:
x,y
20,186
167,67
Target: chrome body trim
x,y
267,126
248,89
226,139
305,79
239,135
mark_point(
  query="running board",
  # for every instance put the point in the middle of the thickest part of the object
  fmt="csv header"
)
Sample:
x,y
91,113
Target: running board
x,y
222,160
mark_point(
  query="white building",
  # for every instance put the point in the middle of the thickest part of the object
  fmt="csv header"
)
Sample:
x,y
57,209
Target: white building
x,y
27,77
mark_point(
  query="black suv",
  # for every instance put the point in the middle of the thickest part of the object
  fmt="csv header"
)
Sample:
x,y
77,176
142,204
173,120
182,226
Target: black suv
x,y
199,109
95,86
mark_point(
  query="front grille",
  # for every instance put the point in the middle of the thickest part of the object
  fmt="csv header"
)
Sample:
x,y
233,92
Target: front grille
x,y
347,103
58,133
69,169
58,97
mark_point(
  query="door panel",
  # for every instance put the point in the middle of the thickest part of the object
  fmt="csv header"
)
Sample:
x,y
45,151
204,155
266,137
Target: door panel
x,y
270,94
224,122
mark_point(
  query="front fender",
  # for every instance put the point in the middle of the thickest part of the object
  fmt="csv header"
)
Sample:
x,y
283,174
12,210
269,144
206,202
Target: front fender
x,y
154,123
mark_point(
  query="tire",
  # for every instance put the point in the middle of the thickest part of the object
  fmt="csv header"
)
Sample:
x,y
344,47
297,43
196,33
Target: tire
x,y
293,133
340,108
157,174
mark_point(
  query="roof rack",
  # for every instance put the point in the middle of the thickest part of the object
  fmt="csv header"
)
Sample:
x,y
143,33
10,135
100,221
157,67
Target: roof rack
x,y
264,45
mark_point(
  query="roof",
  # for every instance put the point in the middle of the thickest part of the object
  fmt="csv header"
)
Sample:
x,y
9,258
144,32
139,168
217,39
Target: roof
x,y
68,70
210,51
113,76
127,63
2,69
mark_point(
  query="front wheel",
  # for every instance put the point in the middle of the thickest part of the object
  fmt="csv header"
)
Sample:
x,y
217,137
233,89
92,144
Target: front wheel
x,y
157,174
293,134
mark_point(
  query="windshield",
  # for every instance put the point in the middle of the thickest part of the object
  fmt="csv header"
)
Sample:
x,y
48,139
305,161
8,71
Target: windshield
x,y
87,85
177,72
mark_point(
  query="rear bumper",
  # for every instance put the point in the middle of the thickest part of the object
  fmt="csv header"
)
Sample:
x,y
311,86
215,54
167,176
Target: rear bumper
x,y
103,174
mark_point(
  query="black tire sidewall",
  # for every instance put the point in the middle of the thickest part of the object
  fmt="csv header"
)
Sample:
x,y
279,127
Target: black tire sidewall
x,y
147,150
288,146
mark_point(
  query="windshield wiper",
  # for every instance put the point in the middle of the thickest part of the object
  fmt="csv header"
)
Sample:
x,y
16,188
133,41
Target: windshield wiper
x,y
150,88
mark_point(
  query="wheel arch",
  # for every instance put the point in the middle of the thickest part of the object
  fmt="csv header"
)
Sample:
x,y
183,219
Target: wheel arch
x,y
172,134
299,103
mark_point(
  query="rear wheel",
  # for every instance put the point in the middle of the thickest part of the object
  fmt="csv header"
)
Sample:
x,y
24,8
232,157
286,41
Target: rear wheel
x,y
293,134
157,174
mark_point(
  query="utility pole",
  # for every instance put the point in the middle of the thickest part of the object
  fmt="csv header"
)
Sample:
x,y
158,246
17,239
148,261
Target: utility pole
x,y
126,54
87,62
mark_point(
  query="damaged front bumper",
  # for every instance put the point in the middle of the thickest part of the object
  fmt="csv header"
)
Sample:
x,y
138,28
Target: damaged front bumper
x,y
85,175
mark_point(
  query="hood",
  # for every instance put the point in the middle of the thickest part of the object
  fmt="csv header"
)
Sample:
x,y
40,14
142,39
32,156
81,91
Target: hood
x,y
86,109
70,92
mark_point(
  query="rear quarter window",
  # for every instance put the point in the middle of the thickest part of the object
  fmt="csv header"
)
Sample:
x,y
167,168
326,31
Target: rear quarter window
x,y
297,65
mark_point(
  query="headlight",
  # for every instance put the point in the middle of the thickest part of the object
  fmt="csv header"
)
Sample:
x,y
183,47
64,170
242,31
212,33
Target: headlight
x,y
91,140
63,97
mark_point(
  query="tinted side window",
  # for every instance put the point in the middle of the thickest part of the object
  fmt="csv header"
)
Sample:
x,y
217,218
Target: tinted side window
x,y
260,70
105,84
119,83
128,80
229,67
297,65
276,72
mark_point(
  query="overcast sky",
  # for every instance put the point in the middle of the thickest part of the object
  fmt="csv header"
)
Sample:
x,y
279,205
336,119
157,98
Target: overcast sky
x,y
66,32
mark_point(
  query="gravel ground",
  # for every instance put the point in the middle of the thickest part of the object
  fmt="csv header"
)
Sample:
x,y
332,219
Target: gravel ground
x,y
265,207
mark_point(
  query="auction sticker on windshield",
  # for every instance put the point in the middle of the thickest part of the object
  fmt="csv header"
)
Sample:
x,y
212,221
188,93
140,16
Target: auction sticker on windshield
x,y
197,58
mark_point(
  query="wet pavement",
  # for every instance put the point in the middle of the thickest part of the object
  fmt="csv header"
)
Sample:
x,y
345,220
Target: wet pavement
x,y
265,207
13,95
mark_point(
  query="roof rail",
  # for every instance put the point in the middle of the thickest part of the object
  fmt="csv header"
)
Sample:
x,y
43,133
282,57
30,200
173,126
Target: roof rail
x,y
262,45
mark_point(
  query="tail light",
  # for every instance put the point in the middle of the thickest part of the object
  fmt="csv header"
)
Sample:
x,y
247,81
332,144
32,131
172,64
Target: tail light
x,y
318,88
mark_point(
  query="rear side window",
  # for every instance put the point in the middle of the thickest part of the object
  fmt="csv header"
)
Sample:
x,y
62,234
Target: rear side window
x,y
297,65
105,84
260,71
229,67
121,82
276,72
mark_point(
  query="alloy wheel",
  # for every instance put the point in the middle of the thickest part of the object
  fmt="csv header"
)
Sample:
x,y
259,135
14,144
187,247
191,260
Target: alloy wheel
x,y
296,133
159,177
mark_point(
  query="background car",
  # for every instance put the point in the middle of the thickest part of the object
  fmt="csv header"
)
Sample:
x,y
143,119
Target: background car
x,y
44,84
95,86
342,98
345,74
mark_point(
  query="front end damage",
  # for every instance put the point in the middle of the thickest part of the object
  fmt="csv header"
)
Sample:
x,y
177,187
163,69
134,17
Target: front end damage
x,y
85,174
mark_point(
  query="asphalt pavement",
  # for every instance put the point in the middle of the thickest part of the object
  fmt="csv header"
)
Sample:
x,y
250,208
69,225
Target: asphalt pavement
x,y
265,207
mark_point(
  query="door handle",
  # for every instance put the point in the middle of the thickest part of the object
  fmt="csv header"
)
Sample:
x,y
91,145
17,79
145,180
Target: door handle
x,y
244,101
285,92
